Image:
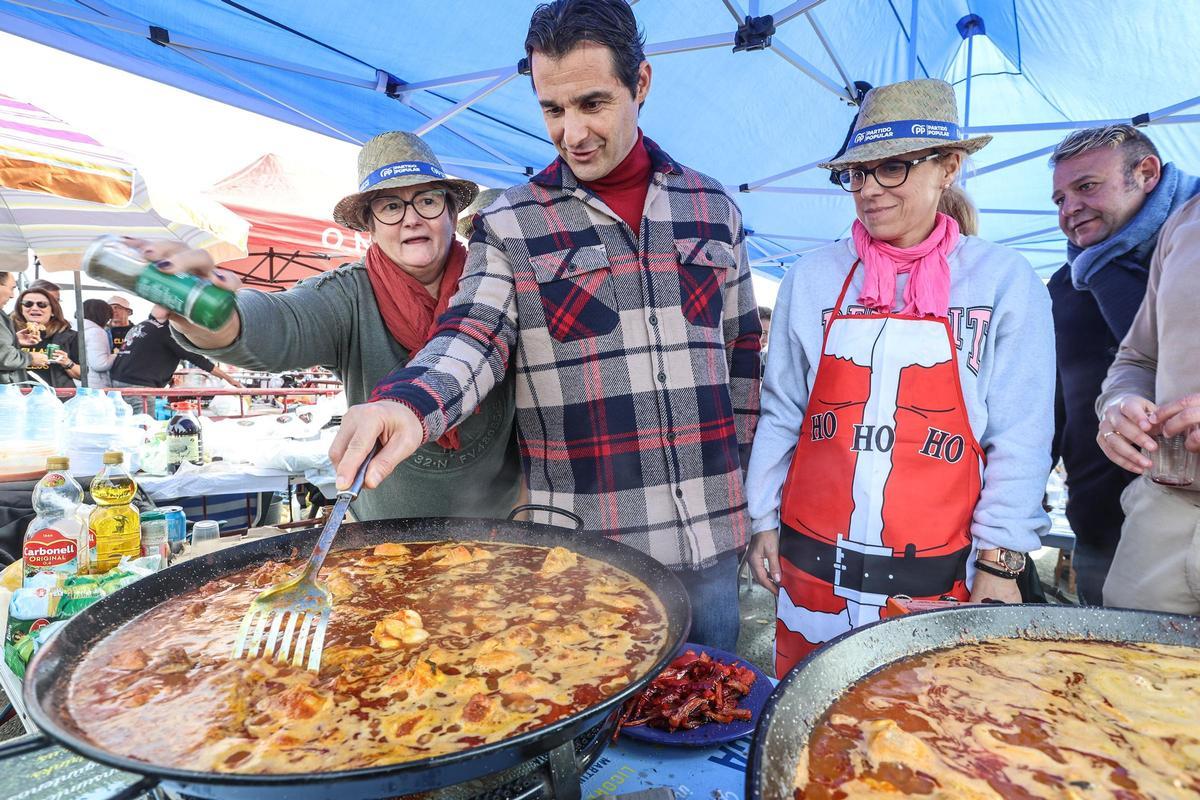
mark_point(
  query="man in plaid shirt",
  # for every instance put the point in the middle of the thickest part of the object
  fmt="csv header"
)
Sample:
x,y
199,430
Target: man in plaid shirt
x,y
617,285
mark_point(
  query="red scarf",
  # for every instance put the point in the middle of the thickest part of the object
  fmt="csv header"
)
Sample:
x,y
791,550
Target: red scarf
x,y
409,310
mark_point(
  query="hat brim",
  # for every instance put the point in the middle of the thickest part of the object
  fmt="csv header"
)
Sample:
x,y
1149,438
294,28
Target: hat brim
x,y
348,211
891,148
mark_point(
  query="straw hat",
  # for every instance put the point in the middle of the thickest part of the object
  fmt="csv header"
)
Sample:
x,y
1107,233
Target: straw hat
x,y
903,118
485,199
393,160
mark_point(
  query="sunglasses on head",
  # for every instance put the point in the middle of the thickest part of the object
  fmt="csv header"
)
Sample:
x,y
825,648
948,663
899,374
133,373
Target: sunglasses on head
x,y
34,304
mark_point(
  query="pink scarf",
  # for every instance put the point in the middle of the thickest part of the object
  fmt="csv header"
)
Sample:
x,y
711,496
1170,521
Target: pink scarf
x,y
928,289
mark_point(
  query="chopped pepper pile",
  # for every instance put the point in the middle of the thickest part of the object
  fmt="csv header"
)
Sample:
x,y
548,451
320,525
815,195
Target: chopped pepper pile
x,y
691,691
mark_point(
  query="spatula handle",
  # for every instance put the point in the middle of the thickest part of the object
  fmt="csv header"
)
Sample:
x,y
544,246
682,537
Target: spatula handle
x,y
334,521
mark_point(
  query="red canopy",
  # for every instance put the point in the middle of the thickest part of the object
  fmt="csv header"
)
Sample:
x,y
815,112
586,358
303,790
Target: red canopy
x,y
286,243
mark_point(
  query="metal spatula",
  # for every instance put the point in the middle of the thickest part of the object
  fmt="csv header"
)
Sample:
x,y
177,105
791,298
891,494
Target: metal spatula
x,y
304,603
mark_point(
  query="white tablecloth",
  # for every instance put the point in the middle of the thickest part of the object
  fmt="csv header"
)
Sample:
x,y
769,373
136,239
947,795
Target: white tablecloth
x,y
216,478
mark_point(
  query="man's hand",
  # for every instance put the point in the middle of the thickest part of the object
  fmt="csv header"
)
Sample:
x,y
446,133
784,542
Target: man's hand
x,y
993,587
38,360
394,425
28,338
1127,424
765,547
1182,416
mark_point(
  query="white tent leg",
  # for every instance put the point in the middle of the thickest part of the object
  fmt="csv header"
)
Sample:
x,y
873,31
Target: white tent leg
x,y
465,103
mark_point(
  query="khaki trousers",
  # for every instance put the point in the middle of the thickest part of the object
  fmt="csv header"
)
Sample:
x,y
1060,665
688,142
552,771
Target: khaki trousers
x,y
1157,564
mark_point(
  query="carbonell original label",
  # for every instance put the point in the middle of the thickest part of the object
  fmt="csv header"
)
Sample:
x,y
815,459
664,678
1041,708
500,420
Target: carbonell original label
x,y
50,550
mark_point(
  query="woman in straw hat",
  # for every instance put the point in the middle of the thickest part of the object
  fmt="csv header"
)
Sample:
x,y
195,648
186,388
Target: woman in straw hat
x,y
363,320
908,401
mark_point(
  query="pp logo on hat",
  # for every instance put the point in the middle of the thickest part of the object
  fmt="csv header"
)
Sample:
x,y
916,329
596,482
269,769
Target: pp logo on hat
x,y
858,138
918,129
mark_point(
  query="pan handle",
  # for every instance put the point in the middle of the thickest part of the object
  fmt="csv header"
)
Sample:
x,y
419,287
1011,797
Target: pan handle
x,y
521,509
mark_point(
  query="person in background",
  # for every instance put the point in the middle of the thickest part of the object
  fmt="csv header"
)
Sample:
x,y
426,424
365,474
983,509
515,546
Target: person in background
x,y
150,357
96,314
120,325
616,287
1152,388
908,401
957,205
41,317
13,359
364,319
1113,194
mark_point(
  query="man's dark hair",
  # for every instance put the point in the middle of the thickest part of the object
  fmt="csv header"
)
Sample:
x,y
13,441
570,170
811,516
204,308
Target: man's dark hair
x,y
42,285
1134,145
97,311
558,27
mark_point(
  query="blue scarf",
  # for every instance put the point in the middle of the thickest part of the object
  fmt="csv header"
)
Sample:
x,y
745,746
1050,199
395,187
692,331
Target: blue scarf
x,y
1133,245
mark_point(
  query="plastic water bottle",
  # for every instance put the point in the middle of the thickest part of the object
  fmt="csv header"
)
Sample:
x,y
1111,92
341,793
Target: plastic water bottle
x,y
56,540
45,420
12,411
123,410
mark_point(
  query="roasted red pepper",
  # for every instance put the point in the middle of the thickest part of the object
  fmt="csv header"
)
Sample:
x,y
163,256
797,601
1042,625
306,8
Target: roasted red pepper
x,y
691,691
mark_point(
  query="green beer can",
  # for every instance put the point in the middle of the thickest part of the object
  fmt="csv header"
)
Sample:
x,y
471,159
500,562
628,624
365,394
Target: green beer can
x,y
112,261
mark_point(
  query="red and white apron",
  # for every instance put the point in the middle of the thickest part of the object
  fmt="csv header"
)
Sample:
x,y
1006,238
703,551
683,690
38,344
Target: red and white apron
x,y
881,490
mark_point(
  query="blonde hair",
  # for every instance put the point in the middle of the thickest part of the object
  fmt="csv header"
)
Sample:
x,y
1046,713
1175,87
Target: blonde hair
x,y
958,206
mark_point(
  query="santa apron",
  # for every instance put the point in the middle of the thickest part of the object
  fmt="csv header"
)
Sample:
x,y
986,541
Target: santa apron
x,y
880,493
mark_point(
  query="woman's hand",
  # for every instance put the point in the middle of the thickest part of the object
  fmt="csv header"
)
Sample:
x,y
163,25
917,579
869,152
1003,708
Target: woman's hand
x,y
172,257
61,358
1127,424
176,257
993,587
764,547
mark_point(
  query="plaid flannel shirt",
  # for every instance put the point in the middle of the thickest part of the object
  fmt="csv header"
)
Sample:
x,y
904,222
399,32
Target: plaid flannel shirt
x,y
637,356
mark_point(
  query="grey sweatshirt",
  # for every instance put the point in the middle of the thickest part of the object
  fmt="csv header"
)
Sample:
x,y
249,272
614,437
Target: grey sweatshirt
x,y
1000,316
332,320
1159,358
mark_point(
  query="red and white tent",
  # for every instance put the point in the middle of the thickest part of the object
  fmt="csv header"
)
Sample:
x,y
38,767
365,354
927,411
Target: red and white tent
x,y
291,234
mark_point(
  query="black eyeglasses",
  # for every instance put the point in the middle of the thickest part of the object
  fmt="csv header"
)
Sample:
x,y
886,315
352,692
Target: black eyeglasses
x,y
889,174
34,304
390,210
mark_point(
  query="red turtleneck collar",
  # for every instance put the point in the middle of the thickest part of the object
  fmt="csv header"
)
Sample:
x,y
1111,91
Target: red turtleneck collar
x,y
624,189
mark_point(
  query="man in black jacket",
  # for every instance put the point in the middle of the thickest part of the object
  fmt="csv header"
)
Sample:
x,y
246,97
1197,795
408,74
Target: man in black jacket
x,y
150,356
1113,194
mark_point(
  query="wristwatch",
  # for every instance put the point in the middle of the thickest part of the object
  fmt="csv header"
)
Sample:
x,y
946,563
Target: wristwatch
x,y
1000,562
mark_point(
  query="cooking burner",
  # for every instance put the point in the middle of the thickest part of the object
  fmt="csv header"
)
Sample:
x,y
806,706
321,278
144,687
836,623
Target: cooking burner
x,y
550,776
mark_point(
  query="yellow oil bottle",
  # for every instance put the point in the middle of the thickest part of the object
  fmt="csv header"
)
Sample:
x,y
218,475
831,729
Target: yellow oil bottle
x,y
115,524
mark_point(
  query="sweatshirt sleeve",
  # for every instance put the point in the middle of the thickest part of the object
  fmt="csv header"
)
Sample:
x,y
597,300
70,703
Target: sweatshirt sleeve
x,y
469,353
302,327
1136,365
1020,418
784,399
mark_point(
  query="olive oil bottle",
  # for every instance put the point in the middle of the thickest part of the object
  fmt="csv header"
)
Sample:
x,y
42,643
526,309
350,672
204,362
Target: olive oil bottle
x,y
115,524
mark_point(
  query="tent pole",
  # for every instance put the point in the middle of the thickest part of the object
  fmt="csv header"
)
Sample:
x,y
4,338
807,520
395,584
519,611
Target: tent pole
x,y
799,62
80,340
912,40
465,103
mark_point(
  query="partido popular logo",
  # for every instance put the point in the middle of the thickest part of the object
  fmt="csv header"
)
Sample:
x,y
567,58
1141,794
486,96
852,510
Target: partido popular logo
x,y
49,548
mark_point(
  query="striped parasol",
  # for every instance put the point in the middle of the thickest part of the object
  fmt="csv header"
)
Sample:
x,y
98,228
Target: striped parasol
x,y
60,189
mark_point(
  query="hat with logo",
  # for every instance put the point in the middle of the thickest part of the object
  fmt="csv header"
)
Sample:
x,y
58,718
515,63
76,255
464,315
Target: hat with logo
x,y
395,160
117,300
902,118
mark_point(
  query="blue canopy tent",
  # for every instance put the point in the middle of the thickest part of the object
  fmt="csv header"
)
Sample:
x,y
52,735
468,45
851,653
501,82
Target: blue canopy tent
x,y
757,116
